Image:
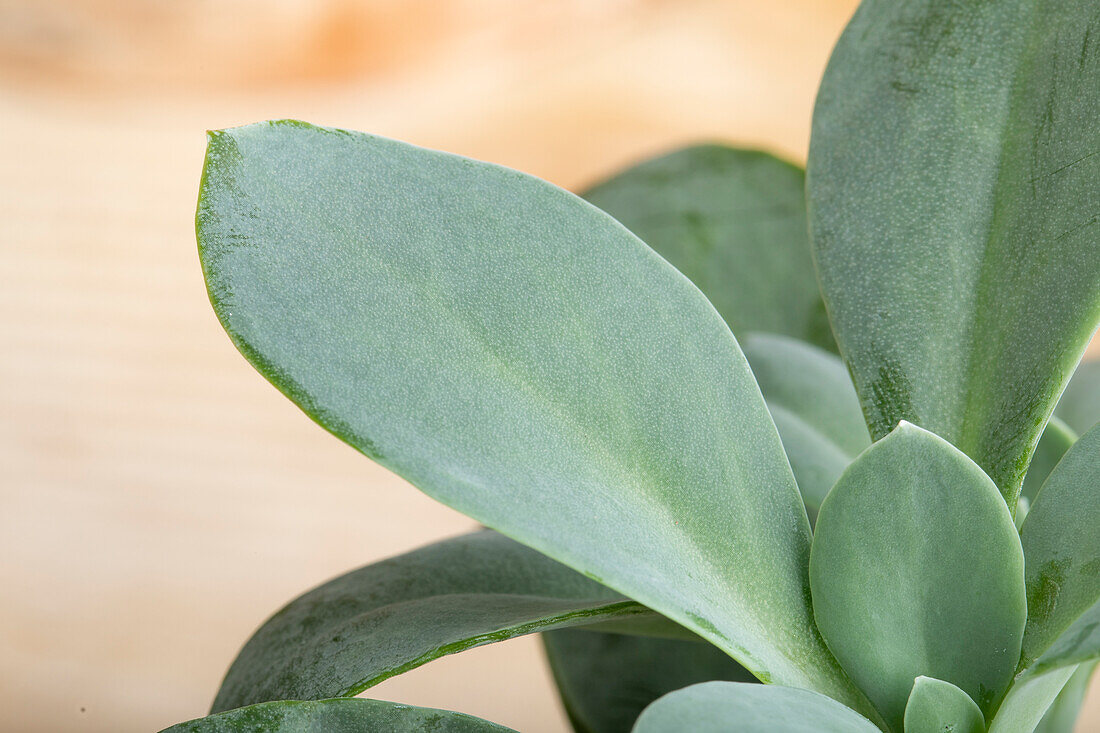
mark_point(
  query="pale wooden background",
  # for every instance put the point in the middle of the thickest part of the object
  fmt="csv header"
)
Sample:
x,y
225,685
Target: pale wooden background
x,y
159,499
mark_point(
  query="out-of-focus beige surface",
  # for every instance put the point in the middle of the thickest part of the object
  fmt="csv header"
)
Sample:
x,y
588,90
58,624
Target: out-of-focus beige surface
x,y
159,498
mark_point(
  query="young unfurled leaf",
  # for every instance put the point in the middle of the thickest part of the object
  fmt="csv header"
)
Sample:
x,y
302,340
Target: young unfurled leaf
x,y
955,214
1061,540
337,716
385,619
936,706
517,354
734,222
606,680
719,707
916,569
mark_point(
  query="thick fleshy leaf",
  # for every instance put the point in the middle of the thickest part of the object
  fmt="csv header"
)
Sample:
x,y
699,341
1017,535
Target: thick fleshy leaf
x,y
917,570
384,619
953,196
1061,540
1056,439
337,716
1061,717
719,707
811,398
1028,700
606,680
936,706
734,222
1080,403
520,356
817,462
1023,505
811,383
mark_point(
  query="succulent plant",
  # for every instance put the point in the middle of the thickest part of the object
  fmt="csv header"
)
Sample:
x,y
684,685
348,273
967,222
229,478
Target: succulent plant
x,y
810,465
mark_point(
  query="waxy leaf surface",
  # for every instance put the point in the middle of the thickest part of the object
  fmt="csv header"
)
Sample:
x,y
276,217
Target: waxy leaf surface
x,y
384,619
734,222
1056,439
954,199
936,706
606,680
1061,717
1061,540
917,570
720,707
1080,403
811,398
1028,700
337,716
517,354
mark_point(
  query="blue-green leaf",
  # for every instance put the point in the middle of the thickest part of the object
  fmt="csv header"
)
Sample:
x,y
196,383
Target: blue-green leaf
x,y
337,716
1061,540
936,706
1028,700
734,222
1080,403
606,680
811,398
954,191
520,356
1061,717
917,570
811,383
387,618
1056,439
720,707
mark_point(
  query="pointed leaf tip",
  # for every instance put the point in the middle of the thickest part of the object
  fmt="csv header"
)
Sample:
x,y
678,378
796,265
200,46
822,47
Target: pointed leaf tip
x,y
416,304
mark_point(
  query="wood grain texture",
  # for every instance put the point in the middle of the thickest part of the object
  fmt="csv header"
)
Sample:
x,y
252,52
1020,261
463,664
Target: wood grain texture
x,y
160,499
